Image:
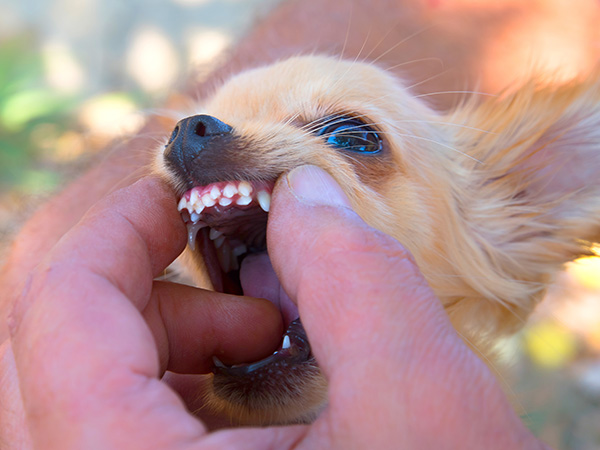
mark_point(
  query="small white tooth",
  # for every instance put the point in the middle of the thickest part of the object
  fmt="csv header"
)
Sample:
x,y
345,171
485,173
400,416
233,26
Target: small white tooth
x,y
245,188
264,200
224,201
215,192
194,217
240,250
223,255
199,207
217,362
182,204
208,200
242,201
194,196
286,342
230,190
214,234
219,241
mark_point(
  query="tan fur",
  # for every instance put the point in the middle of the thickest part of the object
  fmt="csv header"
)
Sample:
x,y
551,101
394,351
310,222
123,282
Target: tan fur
x,y
491,199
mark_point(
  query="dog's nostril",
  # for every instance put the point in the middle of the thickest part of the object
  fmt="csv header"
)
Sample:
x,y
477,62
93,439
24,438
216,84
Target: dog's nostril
x,y
201,129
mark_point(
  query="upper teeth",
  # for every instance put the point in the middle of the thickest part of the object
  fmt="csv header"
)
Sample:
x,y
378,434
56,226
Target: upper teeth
x,y
243,194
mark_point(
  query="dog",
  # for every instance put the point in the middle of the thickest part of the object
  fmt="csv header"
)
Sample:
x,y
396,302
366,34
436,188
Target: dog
x,y
491,199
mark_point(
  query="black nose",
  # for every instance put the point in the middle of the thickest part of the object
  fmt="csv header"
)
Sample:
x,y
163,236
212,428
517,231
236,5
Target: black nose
x,y
191,137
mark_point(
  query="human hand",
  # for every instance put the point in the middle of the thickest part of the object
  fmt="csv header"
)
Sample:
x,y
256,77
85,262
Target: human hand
x,y
90,340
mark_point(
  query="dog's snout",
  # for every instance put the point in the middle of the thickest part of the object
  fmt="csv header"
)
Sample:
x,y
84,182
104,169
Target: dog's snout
x,y
192,136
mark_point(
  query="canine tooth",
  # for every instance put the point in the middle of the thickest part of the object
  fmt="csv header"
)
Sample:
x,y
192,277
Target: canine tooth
x,y
240,250
245,188
224,201
194,217
264,200
193,229
208,200
242,201
194,197
217,362
219,241
230,190
182,204
199,207
214,234
233,262
286,342
215,192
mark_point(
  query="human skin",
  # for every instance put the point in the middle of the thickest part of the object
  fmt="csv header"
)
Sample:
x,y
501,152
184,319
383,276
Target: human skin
x,y
90,339
439,46
448,38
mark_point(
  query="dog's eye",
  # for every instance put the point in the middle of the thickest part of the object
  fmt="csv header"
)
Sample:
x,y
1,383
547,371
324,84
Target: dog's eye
x,y
352,134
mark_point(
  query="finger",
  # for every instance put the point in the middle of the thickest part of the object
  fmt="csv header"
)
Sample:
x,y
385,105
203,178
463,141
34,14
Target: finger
x,y
376,328
85,356
191,325
352,282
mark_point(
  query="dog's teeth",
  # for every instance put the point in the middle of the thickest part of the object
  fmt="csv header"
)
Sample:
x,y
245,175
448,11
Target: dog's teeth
x,y
245,188
193,229
264,200
215,192
194,217
224,201
286,342
194,196
182,204
243,201
219,241
230,190
224,257
199,207
208,200
214,234
217,362
240,250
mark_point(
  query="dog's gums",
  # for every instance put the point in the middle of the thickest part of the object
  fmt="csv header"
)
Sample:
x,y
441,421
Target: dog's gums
x,y
483,197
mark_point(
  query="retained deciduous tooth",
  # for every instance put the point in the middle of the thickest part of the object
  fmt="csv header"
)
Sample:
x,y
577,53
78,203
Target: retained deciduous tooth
x,y
219,241
215,192
208,200
194,217
224,201
242,201
240,250
264,200
245,188
230,190
214,234
286,342
182,204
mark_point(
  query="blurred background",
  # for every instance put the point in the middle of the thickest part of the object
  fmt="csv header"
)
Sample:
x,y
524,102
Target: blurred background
x,y
76,75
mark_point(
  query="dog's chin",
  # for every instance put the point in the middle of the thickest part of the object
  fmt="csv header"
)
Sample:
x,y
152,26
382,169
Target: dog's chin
x,y
226,224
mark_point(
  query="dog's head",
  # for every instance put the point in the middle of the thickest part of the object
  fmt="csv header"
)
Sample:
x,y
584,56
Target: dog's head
x,y
482,198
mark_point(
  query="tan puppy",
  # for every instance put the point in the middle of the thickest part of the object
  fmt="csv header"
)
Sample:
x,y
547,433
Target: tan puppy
x,y
491,199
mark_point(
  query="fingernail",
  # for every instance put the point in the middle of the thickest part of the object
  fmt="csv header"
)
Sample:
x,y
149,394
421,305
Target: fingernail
x,y
311,184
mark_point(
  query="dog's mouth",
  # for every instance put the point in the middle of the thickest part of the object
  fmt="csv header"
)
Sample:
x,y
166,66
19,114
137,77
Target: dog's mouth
x,y
227,224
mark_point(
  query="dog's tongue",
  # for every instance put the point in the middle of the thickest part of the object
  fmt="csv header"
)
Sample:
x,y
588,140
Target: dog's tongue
x,y
258,279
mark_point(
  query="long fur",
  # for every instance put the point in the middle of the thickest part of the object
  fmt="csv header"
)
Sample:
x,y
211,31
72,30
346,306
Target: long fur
x,y
491,199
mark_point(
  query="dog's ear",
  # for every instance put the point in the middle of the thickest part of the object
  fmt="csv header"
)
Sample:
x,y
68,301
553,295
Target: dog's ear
x,y
532,200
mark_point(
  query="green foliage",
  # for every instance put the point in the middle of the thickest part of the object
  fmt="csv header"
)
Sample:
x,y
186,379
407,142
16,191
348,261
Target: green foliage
x,y
26,103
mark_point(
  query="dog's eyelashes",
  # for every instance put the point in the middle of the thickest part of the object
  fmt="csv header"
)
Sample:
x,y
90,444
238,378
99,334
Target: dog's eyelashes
x,y
348,133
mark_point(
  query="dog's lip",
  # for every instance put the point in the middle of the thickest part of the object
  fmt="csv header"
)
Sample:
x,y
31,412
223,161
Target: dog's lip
x,y
224,206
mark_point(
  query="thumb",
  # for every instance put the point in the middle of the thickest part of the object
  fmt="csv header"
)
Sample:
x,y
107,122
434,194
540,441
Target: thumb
x,y
360,295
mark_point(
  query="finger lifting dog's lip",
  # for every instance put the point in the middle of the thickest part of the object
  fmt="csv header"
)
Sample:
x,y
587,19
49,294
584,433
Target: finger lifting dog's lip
x,y
467,193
